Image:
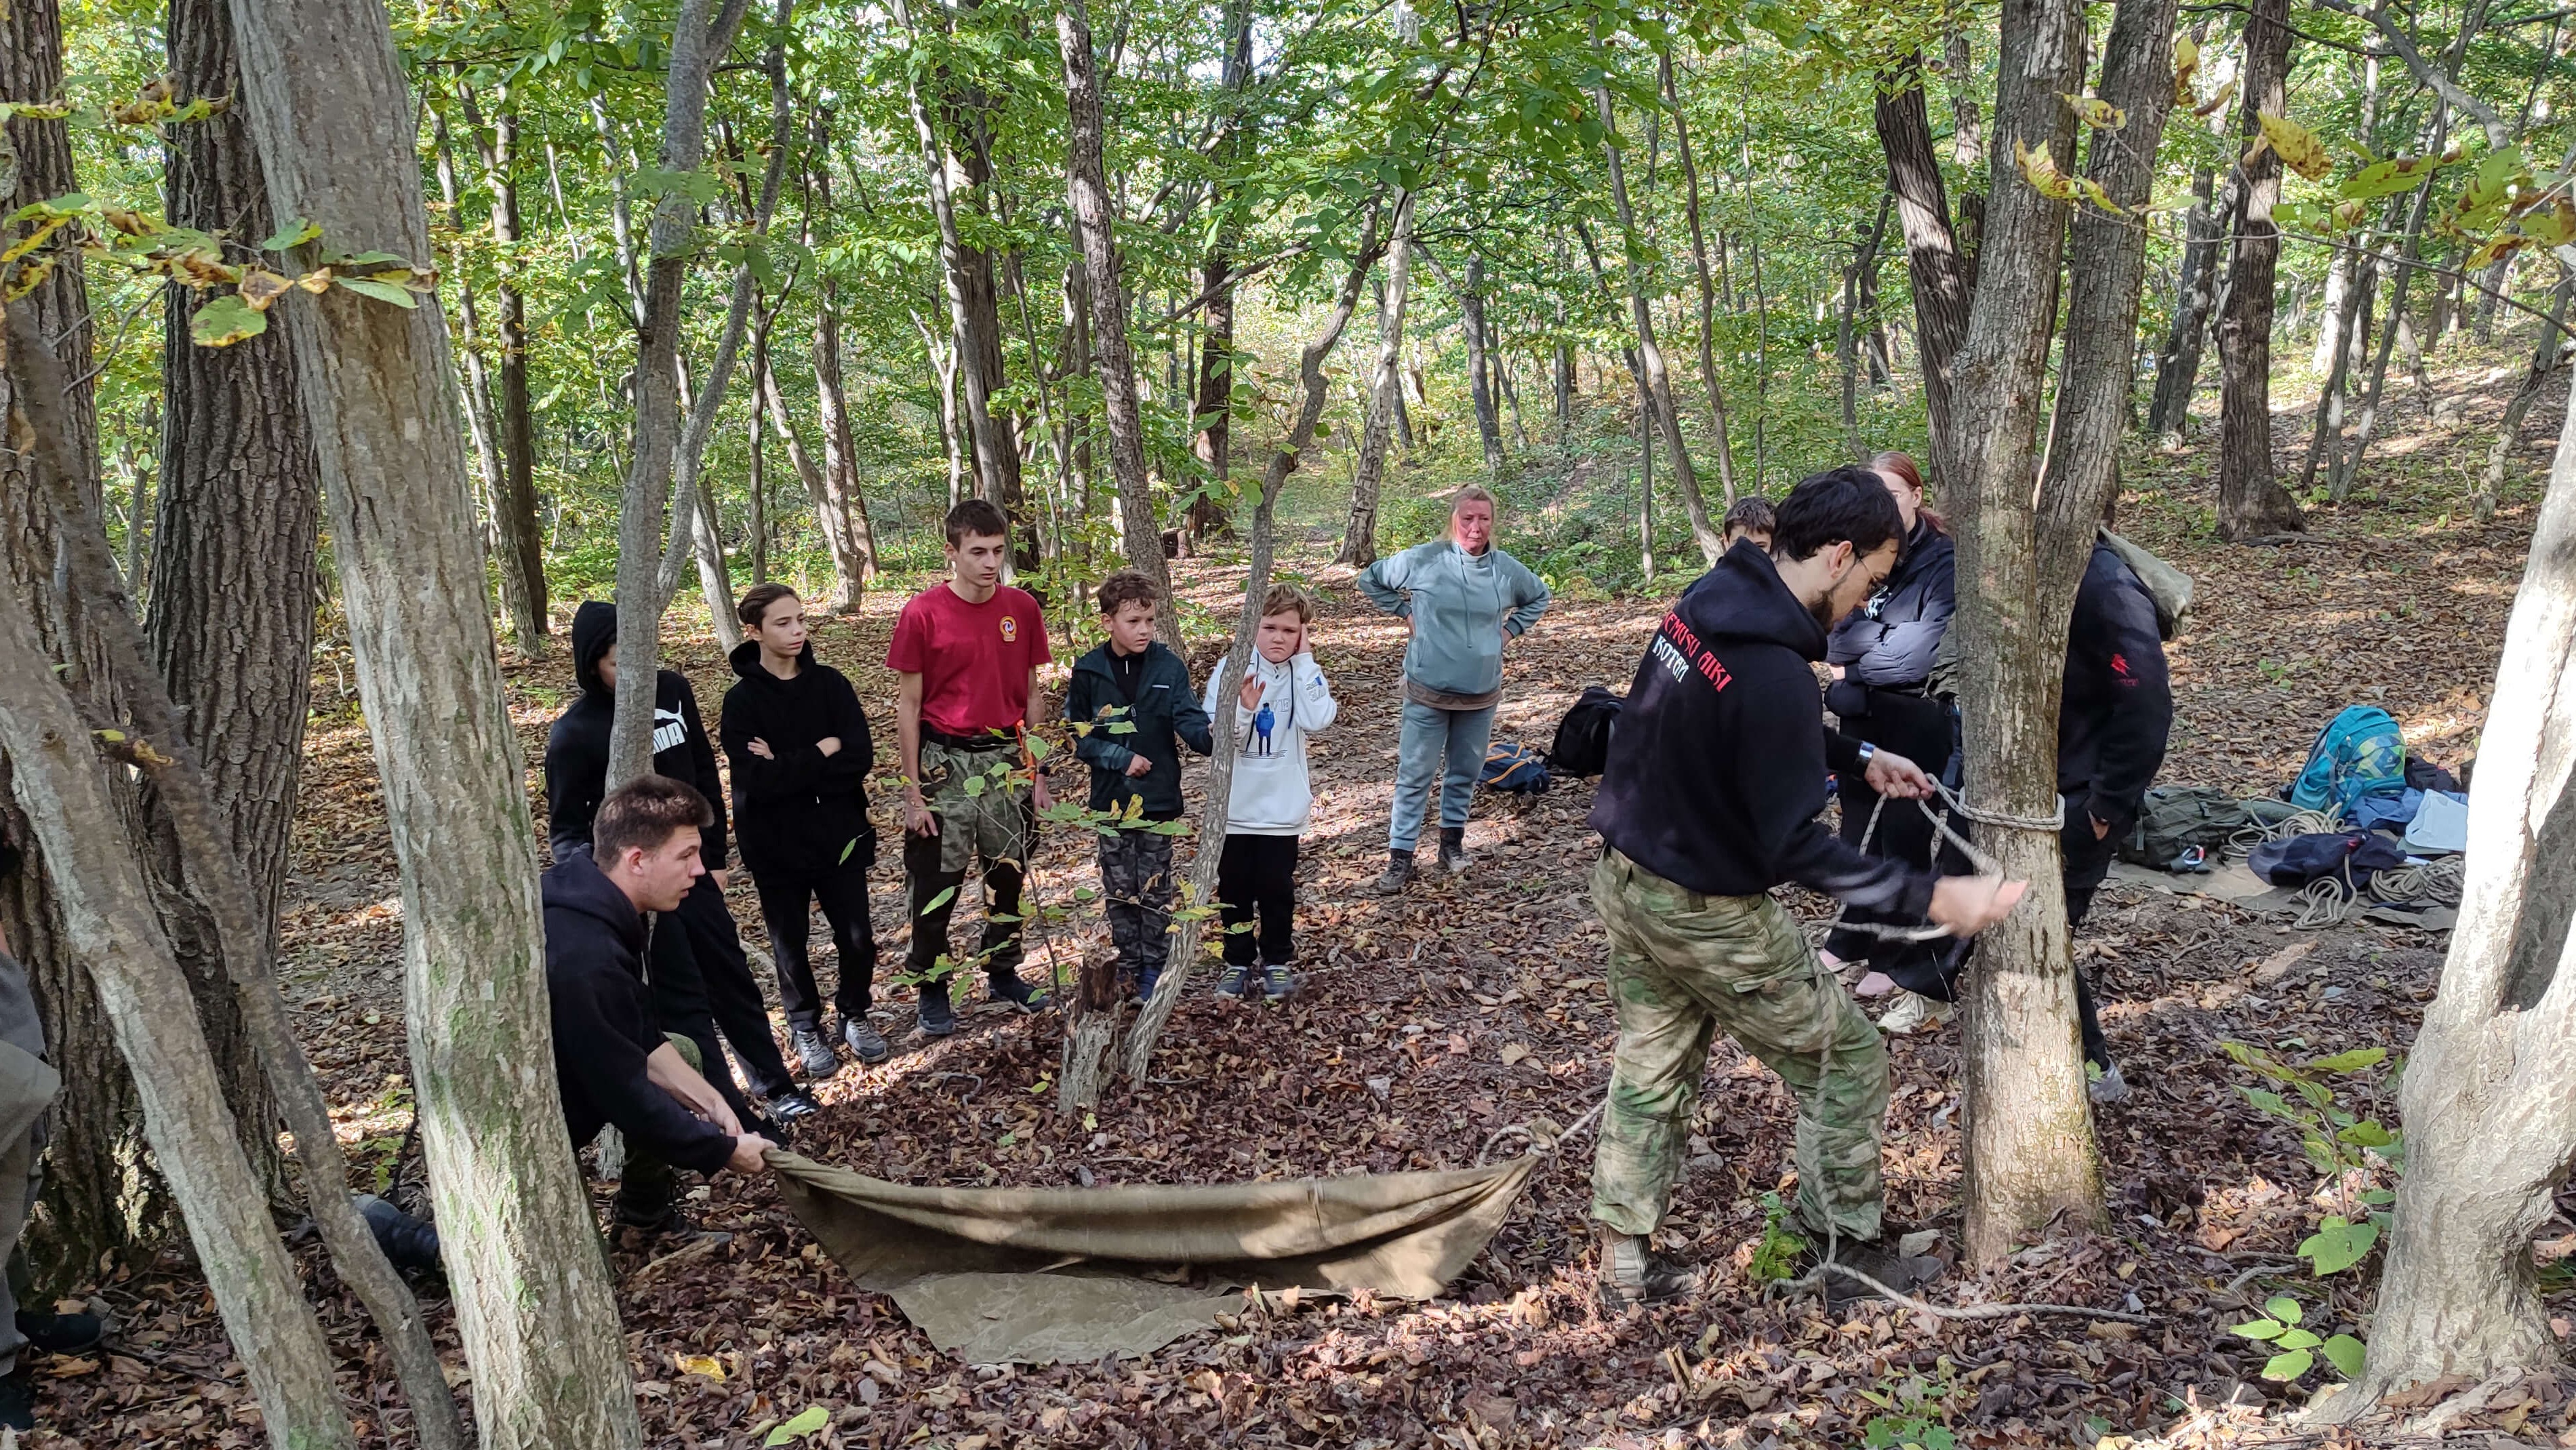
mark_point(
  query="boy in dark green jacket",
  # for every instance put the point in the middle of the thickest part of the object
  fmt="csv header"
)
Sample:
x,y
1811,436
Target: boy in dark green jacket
x,y
1132,708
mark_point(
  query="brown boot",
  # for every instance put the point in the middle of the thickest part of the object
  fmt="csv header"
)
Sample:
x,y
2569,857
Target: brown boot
x,y
1632,1273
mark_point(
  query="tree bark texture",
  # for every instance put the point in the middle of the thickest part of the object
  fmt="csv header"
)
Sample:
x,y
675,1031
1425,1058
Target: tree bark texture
x,y
1087,193
330,109
842,498
1932,260
2342,465
1480,387
2544,360
2028,1146
524,545
2251,501
1213,413
1652,373
1359,534
2178,361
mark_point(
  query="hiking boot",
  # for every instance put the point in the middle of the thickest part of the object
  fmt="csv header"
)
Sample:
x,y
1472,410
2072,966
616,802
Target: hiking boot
x,y
56,1333
1236,981
1453,850
812,1053
668,1231
1879,1258
938,1019
2109,1088
18,1400
1633,1273
1276,983
1399,874
793,1104
866,1043
408,1242
1913,1012
1009,987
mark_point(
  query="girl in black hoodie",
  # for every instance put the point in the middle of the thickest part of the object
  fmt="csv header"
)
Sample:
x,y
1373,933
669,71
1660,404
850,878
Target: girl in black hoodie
x,y
798,743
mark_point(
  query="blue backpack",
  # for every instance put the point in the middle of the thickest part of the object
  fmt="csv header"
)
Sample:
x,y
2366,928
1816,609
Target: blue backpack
x,y
1514,770
2360,753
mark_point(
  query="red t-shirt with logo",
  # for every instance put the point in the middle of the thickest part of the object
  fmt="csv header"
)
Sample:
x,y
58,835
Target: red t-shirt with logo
x,y
973,659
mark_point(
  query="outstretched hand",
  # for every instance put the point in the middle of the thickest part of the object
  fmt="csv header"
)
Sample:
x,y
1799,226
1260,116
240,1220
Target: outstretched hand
x,y
1894,776
1968,905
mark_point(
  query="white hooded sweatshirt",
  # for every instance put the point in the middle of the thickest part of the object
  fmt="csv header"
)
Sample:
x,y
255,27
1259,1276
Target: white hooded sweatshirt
x,y
1272,796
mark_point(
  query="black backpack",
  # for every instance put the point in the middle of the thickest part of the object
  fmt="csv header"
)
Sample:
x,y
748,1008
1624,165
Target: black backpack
x,y
1583,737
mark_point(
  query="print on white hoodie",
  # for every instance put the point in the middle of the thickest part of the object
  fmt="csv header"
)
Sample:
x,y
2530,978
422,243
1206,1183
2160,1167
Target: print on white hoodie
x,y
1272,793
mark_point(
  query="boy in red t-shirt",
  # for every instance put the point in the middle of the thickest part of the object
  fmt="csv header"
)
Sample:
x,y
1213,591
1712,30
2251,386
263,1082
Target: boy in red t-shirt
x,y
968,651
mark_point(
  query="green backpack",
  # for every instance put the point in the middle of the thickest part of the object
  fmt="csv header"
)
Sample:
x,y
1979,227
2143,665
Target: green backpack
x,y
2175,818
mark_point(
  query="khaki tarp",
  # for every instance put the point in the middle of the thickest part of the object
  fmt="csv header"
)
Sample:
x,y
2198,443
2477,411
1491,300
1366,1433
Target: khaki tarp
x,y
1041,1275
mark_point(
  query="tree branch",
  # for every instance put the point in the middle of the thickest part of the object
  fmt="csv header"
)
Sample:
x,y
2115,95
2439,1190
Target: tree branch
x,y
2499,135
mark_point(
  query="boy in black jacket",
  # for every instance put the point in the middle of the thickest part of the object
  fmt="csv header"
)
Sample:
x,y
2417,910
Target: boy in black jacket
x,y
612,1063
1707,802
1131,705
700,979
800,752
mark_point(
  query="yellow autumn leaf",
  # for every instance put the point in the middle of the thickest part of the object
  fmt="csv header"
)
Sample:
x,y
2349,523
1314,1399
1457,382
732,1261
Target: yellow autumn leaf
x,y
260,287
2186,65
2225,94
2039,168
2298,146
2095,112
705,1364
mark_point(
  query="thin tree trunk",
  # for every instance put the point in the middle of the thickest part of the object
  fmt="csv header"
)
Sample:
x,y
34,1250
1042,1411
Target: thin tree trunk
x,y
1213,413
2252,504
1932,260
481,419
1847,337
2328,423
1480,386
2178,361
842,497
2544,360
833,523
1707,289
523,553
1359,535
1650,356
1761,303
2346,466
335,133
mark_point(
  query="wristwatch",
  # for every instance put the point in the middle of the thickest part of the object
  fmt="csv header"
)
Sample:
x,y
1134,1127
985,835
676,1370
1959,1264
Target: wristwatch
x,y
1866,751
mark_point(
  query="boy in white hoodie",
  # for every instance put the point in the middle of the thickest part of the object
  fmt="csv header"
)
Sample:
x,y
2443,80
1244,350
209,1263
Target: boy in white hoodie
x,y
1282,700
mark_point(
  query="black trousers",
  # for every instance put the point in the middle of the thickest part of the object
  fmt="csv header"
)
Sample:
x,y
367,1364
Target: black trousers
x,y
733,995
1917,728
787,899
1257,877
681,1007
2088,861
930,895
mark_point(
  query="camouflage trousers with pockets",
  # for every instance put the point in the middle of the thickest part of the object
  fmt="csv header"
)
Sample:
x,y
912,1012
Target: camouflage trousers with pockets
x,y
1685,966
1136,881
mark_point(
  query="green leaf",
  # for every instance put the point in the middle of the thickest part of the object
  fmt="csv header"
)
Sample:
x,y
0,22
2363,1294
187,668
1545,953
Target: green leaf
x,y
224,321
2367,1134
974,785
807,1421
846,850
381,291
2283,1368
2353,1061
2337,1245
2387,178
2346,1354
2260,1329
2298,1339
292,235
2284,1308
936,902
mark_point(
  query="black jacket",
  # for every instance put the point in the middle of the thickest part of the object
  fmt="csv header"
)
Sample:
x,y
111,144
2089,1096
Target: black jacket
x,y
1891,639
2118,702
801,810
1717,766
577,747
604,1026
1165,715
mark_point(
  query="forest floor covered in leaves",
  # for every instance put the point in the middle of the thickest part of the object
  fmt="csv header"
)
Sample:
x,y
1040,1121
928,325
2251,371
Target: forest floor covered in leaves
x,y
1430,1026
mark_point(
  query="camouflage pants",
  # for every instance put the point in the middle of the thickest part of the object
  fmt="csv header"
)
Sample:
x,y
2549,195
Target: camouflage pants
x,y
1683,967
1136,881
982,814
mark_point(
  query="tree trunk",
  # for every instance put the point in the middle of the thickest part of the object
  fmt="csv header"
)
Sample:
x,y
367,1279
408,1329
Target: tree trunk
x,y
842,497
1707,290
481,419
333,122
2178,361
523,545
2346,466
1213,414
1359,535
2028,1151
848,573
2252,504
1087,191
1847,339
1932,261
2544,360
2486,1086
2325,432
1650,357
1480,387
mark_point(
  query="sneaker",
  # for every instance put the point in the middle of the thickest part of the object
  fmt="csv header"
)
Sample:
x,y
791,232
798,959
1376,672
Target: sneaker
x,y
1145,983
1913,1012
1276,983
1237,978
866,1043
1880,1259
2109,1088
18,1401
671,1230
61,1333
408,1242
793,1104
1399,874
813,1053
938,1019
1453,850
1009,987
1633,1273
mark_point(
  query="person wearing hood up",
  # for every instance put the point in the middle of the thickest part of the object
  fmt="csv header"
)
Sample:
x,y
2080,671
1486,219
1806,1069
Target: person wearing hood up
x,y
798,743
1707,803
700,978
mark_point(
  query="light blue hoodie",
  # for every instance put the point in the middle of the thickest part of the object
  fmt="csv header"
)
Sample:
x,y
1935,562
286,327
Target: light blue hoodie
x,y
1460,604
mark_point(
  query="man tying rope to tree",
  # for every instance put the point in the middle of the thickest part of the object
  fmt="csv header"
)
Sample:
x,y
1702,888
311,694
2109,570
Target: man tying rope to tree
x,y
1707,802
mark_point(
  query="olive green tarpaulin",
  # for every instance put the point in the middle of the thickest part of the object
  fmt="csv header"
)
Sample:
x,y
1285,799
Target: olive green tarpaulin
x,y
1042,1275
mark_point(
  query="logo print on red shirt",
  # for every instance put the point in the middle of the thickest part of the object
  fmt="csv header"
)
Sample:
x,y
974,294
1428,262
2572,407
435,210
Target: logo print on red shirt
x,y
1010,629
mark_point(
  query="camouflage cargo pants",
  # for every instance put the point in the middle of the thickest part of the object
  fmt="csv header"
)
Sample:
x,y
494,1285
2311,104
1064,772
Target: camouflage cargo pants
x,y
1136,881
1683,967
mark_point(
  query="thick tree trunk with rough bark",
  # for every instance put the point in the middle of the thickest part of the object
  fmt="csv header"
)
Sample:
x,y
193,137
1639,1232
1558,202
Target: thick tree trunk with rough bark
x,y
330,109
1932,260
1359,533
2252,504
1655,376
2488,1081
1087,193
2028,1147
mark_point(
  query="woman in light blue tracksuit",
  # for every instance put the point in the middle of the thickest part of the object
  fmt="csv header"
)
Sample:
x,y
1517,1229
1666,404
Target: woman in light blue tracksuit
x,y
1463,599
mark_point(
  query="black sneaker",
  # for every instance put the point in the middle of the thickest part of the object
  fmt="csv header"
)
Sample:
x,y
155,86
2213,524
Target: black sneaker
x,y
670,1231
938,1019
1009,987
1276,983
61,1333
793,1104
18,1401
1879,1259
1453,850
1399,874
408,1242
1237,980
1634,1274
813,1053
866,1043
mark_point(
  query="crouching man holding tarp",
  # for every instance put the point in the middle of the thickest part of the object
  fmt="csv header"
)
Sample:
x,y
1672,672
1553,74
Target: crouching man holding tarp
x,y
1708,801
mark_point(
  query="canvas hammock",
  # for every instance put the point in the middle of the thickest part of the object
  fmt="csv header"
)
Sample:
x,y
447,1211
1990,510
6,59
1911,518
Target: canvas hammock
x,y
1043,1275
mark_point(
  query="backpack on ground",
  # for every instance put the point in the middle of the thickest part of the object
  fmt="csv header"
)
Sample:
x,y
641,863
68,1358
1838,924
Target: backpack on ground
x,y
2361,752
2169,587
1514,770
2174,819
1583,737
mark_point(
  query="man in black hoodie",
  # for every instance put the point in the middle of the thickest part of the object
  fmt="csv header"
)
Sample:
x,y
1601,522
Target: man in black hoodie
x,y
1708,801
798,743
701,981
613,1064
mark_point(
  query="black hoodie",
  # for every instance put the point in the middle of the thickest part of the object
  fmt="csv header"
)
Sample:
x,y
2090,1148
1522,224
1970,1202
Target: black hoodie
x,y
596,945
800,810
2118,703
1714,771
577,748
